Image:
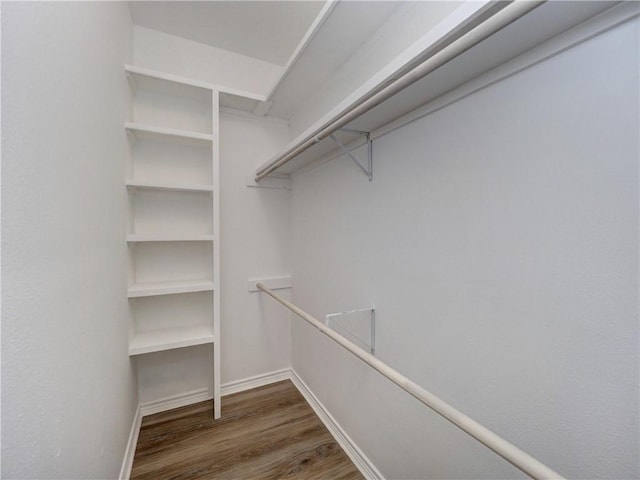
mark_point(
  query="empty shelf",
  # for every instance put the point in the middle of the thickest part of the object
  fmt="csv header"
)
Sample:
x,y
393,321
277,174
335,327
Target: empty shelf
x,y
151,289
152,80
132,184
152,237
149,131
167,339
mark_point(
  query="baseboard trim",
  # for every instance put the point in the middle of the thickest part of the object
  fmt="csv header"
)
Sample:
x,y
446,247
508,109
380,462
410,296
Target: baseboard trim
x,y
175,401
255,381
359,459
127,463
201,395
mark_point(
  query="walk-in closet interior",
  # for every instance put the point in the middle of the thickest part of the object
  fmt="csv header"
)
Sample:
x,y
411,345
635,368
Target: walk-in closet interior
x,y
417,221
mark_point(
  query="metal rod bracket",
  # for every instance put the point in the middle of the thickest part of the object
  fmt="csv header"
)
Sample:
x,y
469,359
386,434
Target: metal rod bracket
x,y
368,169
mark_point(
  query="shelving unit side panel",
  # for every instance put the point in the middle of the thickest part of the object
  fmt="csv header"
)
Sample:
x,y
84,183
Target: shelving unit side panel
x,y
215,199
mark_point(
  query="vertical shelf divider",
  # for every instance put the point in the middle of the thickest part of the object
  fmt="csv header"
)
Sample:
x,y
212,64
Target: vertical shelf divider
x,y
215,198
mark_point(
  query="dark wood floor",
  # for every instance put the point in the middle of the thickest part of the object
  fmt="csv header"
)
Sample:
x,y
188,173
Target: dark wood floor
x,y
269,432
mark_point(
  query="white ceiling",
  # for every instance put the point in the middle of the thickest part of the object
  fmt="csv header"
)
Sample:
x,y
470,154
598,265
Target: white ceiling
x,y
266,30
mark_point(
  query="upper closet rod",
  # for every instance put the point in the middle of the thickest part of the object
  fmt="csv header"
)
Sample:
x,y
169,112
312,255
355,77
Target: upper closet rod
x,y
458,46
506,450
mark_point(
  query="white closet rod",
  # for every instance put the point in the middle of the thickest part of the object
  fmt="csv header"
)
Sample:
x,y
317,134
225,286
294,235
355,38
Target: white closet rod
x,y
496,22
506,450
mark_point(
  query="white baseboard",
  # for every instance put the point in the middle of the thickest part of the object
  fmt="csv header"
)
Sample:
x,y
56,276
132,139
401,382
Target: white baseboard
x,y
201,395
127,463
175,401
356,455
255,382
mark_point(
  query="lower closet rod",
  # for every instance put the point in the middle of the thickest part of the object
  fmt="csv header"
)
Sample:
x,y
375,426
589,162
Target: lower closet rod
x,y
499,445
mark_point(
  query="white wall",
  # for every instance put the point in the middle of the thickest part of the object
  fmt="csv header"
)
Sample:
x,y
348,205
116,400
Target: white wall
x,y
176,373
179,56
256,243
498,243
68,389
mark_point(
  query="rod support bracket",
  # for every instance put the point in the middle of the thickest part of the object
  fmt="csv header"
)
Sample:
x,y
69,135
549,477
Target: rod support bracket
x,y
368,168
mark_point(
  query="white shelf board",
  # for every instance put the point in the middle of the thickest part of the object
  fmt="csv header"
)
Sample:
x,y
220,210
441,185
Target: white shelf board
x,y
152,289
133,184
150,131
540,25
151,237
167,339
141,73
153,80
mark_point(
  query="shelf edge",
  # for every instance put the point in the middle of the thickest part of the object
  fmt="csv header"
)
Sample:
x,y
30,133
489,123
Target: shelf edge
x,y
158,186
161,347
169,132
154,290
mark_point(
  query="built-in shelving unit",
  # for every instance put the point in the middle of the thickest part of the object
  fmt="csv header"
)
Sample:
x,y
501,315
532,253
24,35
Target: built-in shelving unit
x,y
173,185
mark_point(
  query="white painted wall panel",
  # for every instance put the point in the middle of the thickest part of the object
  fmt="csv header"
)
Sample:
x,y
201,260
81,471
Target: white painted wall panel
x,y
256,243
499,245
176,373
68,389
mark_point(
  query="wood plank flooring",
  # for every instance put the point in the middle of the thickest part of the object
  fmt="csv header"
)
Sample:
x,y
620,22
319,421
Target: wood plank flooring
x,y
269,432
